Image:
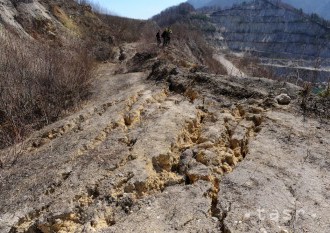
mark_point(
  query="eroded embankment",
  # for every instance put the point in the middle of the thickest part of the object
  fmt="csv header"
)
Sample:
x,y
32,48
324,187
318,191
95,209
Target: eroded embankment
x,y
91,170
140,157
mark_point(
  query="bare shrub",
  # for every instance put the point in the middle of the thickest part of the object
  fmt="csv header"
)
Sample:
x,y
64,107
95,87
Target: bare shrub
x,y
173,14
124,29
38,84
147,42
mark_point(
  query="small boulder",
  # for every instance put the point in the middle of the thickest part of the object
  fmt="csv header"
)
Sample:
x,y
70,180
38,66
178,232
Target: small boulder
x,y
283,99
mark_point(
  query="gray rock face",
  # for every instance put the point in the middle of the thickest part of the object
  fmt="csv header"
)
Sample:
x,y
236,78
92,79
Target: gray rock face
x,y
271,30
9,10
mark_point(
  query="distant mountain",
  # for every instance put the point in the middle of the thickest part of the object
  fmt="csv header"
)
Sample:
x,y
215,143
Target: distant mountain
x,y
320,7
267,29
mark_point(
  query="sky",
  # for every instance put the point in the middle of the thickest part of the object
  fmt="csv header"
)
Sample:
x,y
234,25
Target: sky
x,y
137,9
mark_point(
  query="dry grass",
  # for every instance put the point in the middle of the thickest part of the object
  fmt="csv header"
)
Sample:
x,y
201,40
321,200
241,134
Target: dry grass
x,y
124,29
38,84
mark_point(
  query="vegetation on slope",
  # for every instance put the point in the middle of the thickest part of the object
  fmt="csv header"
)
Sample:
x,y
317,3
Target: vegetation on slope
x,y
38,84
49,74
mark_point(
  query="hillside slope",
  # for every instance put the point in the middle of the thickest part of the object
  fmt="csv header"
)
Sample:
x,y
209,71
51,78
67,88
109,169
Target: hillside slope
x,y
61,22
52,20
221,145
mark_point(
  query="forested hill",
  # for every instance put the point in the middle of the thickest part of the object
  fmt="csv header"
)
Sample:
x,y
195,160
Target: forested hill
x,y
320,7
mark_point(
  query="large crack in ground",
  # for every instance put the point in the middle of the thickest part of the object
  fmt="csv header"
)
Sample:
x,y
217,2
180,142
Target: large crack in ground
x,y
71,221
195,158
167,140
147,155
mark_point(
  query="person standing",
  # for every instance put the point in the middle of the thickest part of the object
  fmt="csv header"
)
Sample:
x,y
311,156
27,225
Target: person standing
x,y
159,41
164,36
169,33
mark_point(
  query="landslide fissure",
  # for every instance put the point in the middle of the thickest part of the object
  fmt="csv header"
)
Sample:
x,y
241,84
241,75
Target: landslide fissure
x,y
139,144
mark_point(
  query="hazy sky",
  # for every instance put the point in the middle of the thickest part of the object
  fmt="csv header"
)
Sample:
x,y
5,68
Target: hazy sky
x,y
137,9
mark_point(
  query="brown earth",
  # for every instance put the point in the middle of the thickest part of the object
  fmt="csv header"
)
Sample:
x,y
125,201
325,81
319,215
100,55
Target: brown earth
x,y
165,149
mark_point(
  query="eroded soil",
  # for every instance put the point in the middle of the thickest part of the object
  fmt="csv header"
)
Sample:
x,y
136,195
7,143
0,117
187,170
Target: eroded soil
x,y
166,150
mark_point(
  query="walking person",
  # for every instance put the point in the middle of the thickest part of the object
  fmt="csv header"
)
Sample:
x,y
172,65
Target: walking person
x,y
169,32
159,41
164,36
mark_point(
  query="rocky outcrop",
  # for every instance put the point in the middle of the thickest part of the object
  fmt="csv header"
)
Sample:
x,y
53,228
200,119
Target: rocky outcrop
x,y
283,99
11,10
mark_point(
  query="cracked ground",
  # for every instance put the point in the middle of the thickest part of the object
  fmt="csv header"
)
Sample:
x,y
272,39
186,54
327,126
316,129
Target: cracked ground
x,y
165,150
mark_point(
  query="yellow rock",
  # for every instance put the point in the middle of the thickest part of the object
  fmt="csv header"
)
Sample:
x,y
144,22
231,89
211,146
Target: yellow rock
x,y
84,201
231,160
218,170
226,168
237,152
201,157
